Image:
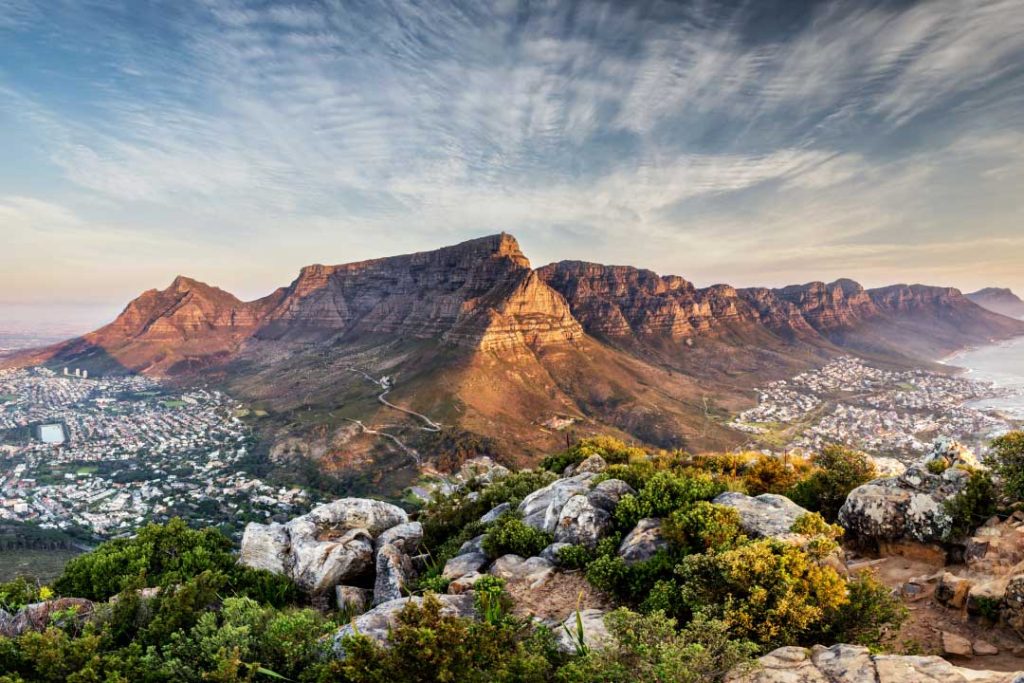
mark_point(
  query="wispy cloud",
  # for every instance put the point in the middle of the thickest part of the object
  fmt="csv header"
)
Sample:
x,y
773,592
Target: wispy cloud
x,y
361,128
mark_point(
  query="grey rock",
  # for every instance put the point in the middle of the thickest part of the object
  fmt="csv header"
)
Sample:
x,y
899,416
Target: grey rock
x,y
496,512
608,493
643,542
393,573
534,571
594,463
460,565
765,516
595,632
319,566
541,509
406,537
473,545
581,523
855,664
352,599
265,546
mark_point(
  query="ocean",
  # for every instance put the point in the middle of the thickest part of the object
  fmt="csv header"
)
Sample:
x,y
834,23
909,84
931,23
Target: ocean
x,y
1003,365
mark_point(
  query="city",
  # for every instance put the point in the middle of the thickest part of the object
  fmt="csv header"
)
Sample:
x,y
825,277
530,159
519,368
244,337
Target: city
x,y
883,412
98,457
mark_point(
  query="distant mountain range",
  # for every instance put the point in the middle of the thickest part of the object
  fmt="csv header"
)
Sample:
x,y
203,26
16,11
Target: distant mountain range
x,y
501,353
999,300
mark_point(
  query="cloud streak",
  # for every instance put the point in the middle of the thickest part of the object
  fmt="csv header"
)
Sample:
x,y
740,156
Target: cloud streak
x,y
630,132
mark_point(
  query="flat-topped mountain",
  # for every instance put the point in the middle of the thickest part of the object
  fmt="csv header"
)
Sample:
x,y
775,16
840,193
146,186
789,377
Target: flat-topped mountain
x,y
478,339
1000,300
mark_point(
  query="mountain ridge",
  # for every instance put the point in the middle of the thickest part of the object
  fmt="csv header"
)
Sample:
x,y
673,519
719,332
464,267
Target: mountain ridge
x,y
494,347
1000,300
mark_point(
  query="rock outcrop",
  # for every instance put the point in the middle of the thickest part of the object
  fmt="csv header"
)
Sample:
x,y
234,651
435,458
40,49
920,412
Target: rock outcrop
x,y
910,507
594,636
855,664
765,516
542,509
331,544
643,542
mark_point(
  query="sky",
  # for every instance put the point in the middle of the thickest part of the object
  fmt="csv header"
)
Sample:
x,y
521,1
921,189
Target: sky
x,y
764,142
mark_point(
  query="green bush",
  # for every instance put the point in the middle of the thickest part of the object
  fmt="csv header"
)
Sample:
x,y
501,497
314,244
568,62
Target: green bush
x,y
164,556
663,493
510,535
972,506
1007,462
769,474
649,648
767,591
838,471
611,449
427,646
17,593
703,527
574,557
870,613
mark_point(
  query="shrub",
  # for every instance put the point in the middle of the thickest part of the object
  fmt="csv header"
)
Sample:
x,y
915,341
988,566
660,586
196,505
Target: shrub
x,y
574,557
510,535
164,556
871,612
663,493
611,449
17,593
1007,462
767,591
972,506
425,645
491,600
648,648
769,474
838,471
703,527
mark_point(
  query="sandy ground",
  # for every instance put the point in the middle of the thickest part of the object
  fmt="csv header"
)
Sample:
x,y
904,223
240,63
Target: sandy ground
x,y
922,632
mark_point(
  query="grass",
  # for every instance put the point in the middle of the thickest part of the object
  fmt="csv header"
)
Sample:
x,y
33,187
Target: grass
x,y
89,469
7,398
173,404
44,565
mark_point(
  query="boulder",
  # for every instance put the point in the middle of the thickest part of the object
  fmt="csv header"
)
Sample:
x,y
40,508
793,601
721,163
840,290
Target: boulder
x,y
643,542
983,648
328,545
393,573
594,463
464,583
581,523
608,493
766,516
595,633
319,566
265,546
460,565
352,513
887,467
541,509
856,664
378,622
956,645
406,537
352,599
535,571
473,545
910,507
496,511
482,469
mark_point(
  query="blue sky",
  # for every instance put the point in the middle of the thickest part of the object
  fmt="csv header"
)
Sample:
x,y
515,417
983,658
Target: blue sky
x,y
763,142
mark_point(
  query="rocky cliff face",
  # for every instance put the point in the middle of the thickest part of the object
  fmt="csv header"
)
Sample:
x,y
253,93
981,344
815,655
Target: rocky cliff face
x,y
1002,301
480,294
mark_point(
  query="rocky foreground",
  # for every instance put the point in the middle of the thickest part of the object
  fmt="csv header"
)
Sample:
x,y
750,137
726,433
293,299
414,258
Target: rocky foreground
x,y
364,554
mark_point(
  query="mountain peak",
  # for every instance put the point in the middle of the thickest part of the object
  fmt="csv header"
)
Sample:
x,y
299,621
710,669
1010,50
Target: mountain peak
x,y
1000,300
